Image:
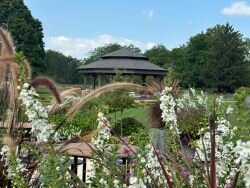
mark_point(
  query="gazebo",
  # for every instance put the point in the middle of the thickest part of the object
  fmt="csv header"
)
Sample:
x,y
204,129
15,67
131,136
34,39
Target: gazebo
x,y
125,60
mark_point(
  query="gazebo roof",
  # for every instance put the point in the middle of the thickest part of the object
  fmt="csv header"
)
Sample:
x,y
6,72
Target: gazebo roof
x,y
124,53
124,59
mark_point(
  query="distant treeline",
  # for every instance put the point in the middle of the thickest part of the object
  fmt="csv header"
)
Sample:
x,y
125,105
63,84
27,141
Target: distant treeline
x,y
217,59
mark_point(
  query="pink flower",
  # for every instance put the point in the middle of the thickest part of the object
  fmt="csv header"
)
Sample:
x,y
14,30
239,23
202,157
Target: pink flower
x,y
127,150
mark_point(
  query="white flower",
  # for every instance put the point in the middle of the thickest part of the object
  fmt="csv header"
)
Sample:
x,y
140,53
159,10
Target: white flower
x,y
229,110
136,183
116,182
133,180
36,113
25,85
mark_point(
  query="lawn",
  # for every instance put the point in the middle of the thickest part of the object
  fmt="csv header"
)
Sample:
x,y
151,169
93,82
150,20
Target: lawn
x,y
140,114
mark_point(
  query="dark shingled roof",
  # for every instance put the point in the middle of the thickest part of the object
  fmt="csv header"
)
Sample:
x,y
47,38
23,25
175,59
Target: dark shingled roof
x,y
124,53
124,59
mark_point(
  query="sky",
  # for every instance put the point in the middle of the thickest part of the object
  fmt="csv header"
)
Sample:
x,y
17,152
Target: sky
x,y
78,26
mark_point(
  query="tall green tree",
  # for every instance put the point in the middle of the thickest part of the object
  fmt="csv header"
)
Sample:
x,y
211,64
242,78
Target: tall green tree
x,y
196,59
61,68
159,55
226,66
26,31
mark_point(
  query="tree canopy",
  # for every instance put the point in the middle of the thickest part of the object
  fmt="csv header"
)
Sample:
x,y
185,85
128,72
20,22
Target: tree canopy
x,y
159,55
26,31
61,68
217,58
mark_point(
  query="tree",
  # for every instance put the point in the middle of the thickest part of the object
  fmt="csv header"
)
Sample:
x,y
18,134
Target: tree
x,y
196,59
214,59
159,55
61,68
226,64
119,101
27,32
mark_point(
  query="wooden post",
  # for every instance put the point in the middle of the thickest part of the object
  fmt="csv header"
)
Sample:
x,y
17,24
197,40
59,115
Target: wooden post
x,y
74,165
84,166
143,79
94,80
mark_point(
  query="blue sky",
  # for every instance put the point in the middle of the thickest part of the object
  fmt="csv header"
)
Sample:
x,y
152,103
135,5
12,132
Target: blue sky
x,y
78,26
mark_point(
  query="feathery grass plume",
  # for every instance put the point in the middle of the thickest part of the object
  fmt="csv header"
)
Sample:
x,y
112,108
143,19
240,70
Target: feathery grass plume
x,y
48,83
63,94
28,69
13,93
2,71
154,115
8,141
74,109
8,58
7,43
176,88
155,87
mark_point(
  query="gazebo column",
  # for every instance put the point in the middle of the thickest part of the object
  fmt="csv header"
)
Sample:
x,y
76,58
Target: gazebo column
x,y
100,78
143,77
159,78
94,80
85,80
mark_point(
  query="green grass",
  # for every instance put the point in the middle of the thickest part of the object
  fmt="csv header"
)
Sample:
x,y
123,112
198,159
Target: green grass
x,y
140,114
45,95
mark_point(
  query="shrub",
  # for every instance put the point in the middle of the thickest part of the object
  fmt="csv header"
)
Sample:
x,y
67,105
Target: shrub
x,y
191,121
241,94
139,138
129,125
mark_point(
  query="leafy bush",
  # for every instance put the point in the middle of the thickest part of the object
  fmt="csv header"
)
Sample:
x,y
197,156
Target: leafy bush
x,y
241,94
191,121
82,122
140,138
129,125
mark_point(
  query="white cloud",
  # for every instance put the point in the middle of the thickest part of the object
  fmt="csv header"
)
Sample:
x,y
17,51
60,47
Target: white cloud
x,y
237,9
79,47
149,14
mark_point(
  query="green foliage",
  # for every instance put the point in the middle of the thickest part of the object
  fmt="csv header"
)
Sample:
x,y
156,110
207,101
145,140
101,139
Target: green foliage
x,y
118,100
18,179
54,171
169,78
226,58
140,138
241,116
26,31
83,122
217,59
21,68
129,126
118,76
241,94
191,121
61,68
159,55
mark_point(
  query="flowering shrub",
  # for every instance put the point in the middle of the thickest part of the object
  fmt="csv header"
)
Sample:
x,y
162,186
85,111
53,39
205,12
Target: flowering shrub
x,y
36,114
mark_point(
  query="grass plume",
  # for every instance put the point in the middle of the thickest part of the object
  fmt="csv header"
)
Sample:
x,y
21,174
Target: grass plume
x,y
48,83
8,141
7,43
63,94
